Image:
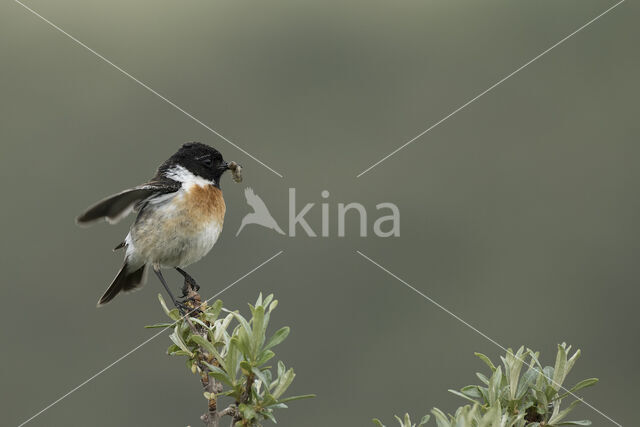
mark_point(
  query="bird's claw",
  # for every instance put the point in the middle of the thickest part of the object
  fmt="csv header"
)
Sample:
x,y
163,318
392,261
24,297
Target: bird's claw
x,y
189,284
185,310
186,289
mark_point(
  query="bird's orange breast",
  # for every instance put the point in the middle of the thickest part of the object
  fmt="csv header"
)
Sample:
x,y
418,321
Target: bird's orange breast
x,y
205,204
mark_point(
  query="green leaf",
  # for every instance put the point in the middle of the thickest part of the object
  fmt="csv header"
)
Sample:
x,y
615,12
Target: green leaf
x,y
513,370
284,381
268,415
280,335
582,384
243,322
159,325
482,378
173,314
259,326
526,381
219,358
572,361
206,345
245,367
247,412
464,396
278,406
300,397
557,417
486,360
232,359
378,422
244,337
244,346
547,376
494,386
267,301
213,311
472,391
264,357
492,417
221,327
424,420
175,337
200,322
219,374
441,418
534,358
260,375
407,420
485,394
559,369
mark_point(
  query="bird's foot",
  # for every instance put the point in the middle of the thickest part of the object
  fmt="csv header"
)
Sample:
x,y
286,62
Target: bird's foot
x,y
188,307
190,284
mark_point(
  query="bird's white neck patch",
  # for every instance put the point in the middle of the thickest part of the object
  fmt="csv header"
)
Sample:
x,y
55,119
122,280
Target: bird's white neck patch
x,y
184,176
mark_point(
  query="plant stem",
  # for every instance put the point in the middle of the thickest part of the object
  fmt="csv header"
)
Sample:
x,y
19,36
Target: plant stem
x,y
212,417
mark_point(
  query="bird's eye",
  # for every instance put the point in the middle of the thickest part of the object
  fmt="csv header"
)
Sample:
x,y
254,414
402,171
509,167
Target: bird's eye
x,y
207,162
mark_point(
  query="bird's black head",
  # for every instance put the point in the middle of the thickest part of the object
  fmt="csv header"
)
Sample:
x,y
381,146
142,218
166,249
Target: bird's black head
x,y
199,159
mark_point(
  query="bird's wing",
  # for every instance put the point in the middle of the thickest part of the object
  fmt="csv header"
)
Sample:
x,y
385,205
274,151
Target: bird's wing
x,y
255,201
118,206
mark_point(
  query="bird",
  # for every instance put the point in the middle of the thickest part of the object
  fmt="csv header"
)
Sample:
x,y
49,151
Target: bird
x,y
180,213
260,214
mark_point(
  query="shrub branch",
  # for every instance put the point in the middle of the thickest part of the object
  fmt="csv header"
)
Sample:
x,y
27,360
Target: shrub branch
x,y
229,354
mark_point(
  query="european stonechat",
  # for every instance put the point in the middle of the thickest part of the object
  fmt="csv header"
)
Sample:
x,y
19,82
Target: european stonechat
x,y
180,215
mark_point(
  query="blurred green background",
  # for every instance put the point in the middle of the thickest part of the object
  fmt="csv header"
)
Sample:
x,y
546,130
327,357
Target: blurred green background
x,y
519,214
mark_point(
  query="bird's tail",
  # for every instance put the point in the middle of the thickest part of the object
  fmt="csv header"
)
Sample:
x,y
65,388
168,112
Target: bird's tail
x,y
128,279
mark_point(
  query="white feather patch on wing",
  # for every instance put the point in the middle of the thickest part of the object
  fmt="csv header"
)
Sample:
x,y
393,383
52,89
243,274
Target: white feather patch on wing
x,y
124,213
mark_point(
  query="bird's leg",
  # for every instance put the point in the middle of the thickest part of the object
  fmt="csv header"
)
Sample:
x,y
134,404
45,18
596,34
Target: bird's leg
x,y
190,296
180,306
189,282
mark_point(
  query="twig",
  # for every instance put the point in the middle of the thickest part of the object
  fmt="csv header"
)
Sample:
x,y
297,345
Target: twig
x,y
212,417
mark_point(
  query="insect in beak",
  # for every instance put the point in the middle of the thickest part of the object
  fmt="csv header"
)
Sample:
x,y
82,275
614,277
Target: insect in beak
x,y
236,171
